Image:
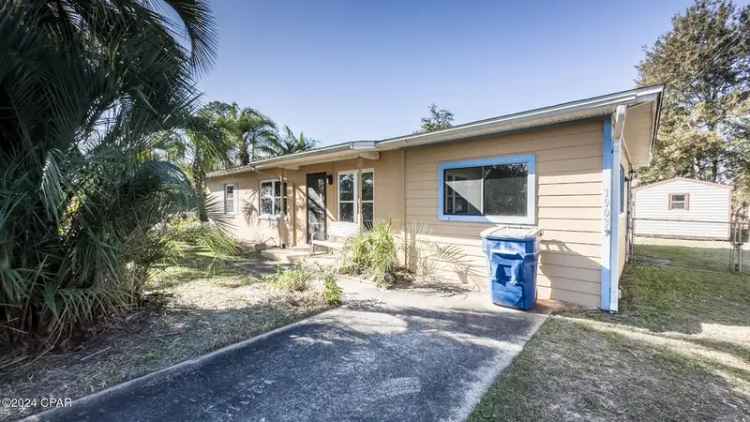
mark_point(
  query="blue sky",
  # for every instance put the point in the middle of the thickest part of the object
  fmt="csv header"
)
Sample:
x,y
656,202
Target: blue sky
x,y
348,70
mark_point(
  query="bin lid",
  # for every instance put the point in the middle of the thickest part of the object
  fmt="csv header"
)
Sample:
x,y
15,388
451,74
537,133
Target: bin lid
x,y
511,233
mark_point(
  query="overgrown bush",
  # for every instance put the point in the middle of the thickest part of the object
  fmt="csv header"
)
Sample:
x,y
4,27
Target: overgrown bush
x,y
374,252
331,290
295,279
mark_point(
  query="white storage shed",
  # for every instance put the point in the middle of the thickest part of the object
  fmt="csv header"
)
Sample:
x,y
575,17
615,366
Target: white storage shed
x,y
683,209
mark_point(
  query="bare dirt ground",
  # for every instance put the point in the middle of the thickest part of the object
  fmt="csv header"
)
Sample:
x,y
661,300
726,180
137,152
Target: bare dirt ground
x,y
198,305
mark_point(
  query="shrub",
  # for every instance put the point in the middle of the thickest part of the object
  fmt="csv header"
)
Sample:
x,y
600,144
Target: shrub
x,y
374,252
382,249
360,253
331,290
294,279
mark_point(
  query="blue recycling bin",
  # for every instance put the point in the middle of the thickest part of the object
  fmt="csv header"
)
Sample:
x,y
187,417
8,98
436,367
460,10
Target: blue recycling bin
x,y
513,256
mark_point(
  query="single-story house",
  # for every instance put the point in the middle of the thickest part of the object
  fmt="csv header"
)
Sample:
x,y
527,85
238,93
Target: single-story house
x,y
560,168
683,208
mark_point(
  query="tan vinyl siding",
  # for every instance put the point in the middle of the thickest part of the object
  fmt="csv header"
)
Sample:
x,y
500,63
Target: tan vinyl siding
x,y
568,168
292,230
246,223
569,185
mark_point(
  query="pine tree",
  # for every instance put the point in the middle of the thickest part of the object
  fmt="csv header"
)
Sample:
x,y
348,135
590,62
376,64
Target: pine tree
x,y
440,118
705,63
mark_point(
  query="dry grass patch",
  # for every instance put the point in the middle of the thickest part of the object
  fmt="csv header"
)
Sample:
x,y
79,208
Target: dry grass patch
x,y
192,308
572,371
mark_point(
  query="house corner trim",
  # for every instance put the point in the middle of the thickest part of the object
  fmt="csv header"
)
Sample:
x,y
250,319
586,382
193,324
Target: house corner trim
x,y
610,219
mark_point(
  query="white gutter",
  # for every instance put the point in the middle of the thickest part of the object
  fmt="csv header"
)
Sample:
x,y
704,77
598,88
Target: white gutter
x,y
592,107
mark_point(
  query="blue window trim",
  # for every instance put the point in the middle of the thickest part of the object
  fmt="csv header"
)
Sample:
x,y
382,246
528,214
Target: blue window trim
x,y
529,218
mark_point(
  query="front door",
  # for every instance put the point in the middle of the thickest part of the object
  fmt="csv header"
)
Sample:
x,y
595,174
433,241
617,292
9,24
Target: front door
x,y
316,206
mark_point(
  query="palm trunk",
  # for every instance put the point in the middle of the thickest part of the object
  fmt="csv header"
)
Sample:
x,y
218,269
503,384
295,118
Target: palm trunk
x,y
199,184
244,157
252,148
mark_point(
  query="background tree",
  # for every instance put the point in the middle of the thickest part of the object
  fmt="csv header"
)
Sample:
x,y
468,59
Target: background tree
x,y
287,143
246,127
439,118
200,145
705,63
260,131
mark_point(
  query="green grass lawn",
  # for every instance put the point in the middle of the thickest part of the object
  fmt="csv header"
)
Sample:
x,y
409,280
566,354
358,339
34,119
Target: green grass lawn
x,y
703,258
678,350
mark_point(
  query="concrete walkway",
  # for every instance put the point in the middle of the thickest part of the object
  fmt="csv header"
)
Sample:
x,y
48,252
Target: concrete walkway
x,y
403,355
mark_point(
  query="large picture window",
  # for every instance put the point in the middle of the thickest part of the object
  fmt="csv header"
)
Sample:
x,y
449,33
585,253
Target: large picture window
x,y
499,190
273,198
353,193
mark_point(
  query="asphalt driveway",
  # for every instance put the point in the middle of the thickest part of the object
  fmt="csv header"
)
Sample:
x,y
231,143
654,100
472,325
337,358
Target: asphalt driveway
x,y
416,355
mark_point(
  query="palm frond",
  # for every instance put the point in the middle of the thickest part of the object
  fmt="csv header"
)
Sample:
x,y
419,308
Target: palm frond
x,y
85,90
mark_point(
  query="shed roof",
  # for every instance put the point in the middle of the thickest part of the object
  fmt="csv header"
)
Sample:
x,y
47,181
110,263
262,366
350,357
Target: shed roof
x,y
683,179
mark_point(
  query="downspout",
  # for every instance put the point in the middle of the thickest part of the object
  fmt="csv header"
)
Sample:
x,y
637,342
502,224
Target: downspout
x,y
613,133
607,229
614,285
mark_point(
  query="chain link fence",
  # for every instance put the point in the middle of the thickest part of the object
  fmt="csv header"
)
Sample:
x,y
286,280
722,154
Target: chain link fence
x,y
731,254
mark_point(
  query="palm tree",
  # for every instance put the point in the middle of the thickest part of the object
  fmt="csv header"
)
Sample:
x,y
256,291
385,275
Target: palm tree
x,y
260,131
84,85
200,145
289,143
247,127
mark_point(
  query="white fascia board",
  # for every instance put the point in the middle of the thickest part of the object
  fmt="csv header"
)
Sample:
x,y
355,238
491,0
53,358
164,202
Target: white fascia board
x,y
575,110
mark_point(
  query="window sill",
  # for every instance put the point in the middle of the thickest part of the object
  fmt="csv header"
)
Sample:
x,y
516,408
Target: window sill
x,y
270,217
490,219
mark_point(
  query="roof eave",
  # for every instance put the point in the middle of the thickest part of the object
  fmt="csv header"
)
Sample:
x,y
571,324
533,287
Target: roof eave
x,y
560,113
566,112
301,157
